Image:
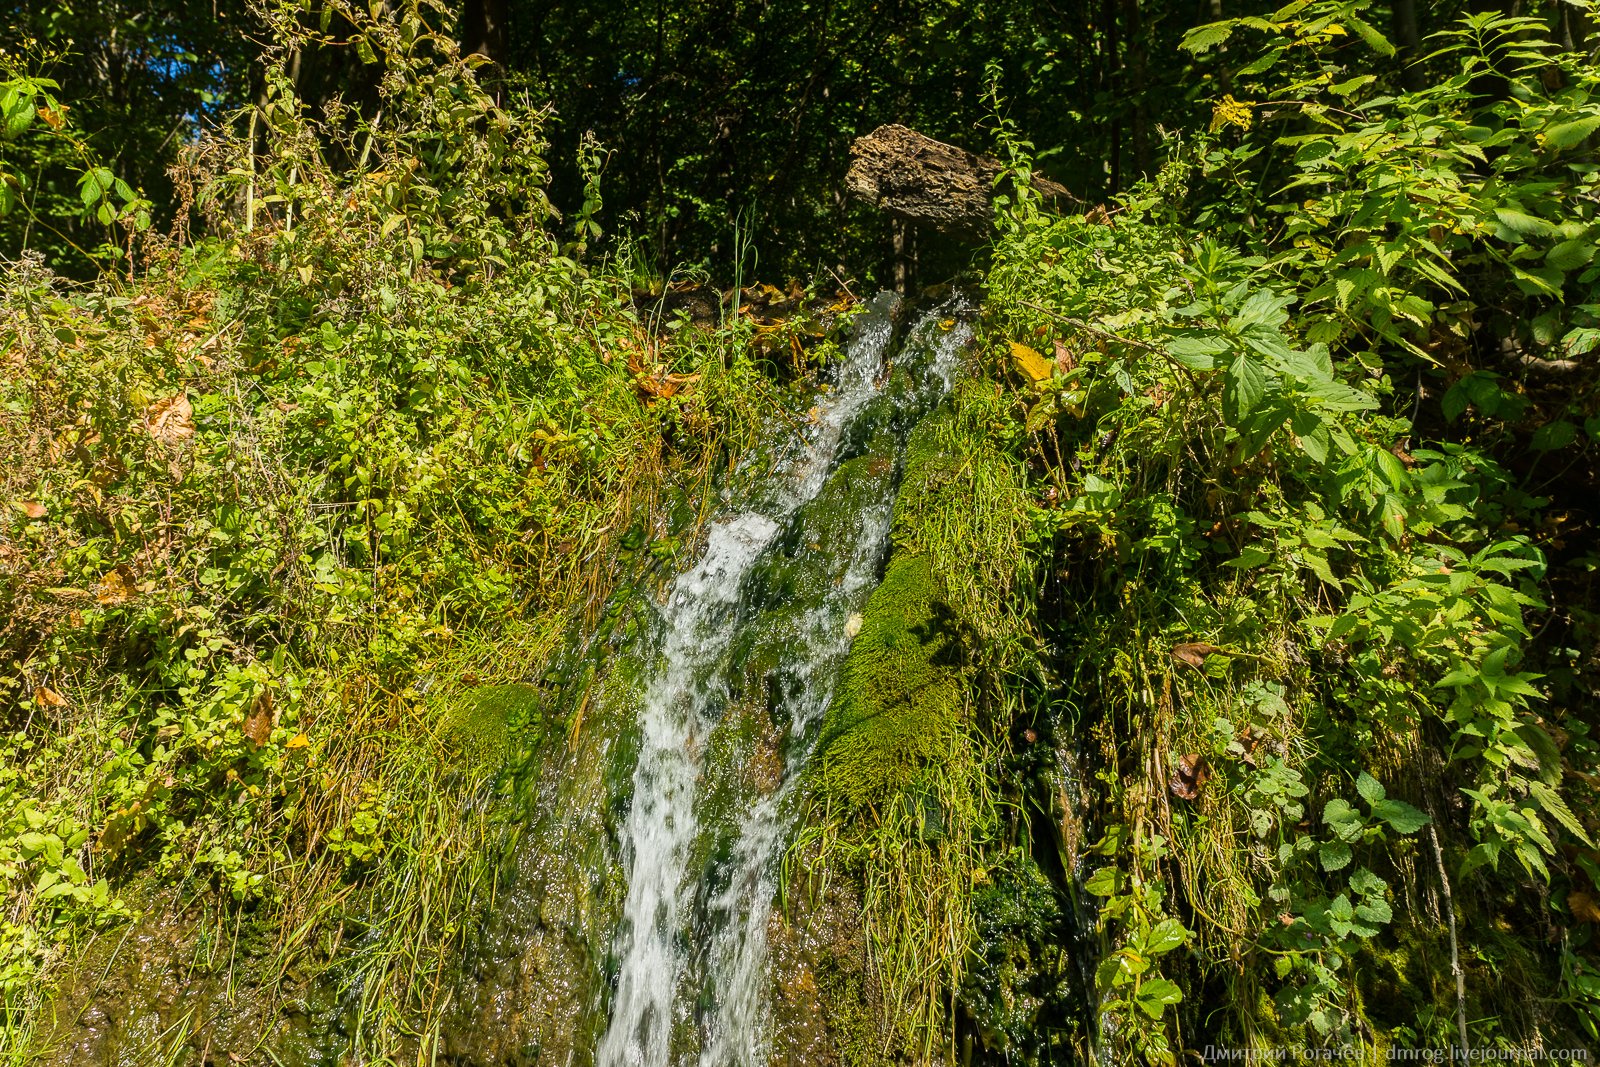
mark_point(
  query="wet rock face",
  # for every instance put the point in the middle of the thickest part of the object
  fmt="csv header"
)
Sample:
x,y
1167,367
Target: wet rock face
x,y
827,1008
531,979
181,986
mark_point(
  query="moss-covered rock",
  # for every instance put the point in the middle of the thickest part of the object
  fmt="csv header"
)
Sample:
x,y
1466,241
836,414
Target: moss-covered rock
x,y
900,700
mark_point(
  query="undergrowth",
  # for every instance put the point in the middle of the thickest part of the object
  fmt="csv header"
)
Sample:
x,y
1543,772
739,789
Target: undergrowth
x,y
281,504
1284,536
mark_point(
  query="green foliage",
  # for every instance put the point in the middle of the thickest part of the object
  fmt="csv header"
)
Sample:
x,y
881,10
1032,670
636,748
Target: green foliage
x,y
1291,564
266,506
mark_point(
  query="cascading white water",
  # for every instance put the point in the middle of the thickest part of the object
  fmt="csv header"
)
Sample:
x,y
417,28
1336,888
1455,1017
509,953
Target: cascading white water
x,y
701,618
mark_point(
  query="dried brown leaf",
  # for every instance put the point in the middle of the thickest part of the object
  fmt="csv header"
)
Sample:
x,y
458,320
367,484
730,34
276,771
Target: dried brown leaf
x,y
1189,777
32,509
46,697
1194,653
258,724
171,420
1583,906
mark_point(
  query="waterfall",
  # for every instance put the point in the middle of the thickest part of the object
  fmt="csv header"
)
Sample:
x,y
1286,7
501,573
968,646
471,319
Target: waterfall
x,y
705,611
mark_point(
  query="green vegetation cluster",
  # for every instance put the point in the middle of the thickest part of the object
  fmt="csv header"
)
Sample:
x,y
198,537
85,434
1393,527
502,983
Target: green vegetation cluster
x,y
290,517
1268,502
1299,562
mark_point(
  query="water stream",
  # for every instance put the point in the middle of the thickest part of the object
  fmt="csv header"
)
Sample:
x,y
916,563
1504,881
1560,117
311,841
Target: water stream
x,y
691,950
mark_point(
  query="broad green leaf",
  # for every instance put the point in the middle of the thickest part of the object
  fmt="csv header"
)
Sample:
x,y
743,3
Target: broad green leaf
x,y
1570,255
1155,994
1554,435
1243,390
1404,818
1334,855
1165,936
1370,788
1571,134
1342,819
1519,221
1204,38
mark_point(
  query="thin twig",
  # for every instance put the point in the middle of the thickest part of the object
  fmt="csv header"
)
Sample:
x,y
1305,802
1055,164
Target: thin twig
x,y
1455,954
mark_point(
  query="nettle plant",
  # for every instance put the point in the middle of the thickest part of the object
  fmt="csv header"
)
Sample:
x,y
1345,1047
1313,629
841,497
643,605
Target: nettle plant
x,y
29,110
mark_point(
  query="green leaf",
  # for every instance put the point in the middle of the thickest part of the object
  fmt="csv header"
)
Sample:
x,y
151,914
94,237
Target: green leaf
x,y
1521,222
1571,134
1156,994
1243,390
1370,788
1375,40
1165,936
1554,435
1342,819
1102,883
1250,557
17,118
1570,255
1551,802
1404,818
1334,855
1366,883
1204,38
1374,910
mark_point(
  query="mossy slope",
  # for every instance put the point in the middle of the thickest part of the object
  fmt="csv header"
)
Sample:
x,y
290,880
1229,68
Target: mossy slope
x,y
900,700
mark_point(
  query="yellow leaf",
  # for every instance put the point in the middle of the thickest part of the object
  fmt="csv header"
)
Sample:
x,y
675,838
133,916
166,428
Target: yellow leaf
x,y
298,741
1034,366
117,585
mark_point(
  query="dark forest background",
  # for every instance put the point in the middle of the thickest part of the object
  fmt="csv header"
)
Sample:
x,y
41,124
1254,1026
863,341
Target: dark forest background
x,y
719,124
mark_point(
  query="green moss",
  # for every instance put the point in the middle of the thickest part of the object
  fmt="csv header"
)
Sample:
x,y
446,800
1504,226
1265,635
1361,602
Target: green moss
x,y
899,702
486,723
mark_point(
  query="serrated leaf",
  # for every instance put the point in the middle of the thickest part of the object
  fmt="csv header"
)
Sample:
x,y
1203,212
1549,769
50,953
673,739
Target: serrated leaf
x,y
1375,40
1551,802
1334,855
1400,816
1243,390
1370,788
1204,38
1570,255
1571,134
1521,222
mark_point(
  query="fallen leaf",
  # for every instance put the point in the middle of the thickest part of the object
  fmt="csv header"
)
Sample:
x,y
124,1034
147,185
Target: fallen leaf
x,y
1583,907
118,584
32,508
1065,360
1189,777
1194,653
46,697
171,420
298,741
258,724
1030,363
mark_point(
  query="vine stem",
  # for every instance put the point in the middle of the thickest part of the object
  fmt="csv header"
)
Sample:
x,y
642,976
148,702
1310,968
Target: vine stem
x,y
1455,954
